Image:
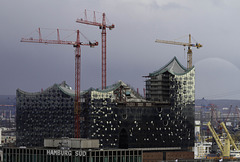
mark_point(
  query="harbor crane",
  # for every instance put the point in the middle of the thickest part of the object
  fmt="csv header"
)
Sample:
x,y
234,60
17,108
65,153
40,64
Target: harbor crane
x,y
76,44
189,45
103,26
225,149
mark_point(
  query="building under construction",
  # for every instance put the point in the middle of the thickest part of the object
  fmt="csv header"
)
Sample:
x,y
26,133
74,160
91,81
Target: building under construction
x,y
118,116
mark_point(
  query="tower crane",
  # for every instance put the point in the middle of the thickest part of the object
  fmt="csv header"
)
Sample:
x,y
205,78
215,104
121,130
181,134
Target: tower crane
x,y
102,26
76,44
189,45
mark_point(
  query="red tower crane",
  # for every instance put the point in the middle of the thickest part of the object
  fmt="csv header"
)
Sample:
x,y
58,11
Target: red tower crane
x,y
76,44
102,26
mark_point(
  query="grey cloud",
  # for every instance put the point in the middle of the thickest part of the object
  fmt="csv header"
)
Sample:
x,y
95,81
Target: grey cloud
x,y
169,6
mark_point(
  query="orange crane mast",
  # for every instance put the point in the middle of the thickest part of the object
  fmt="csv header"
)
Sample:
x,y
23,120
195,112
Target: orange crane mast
x,y
102,26
76,44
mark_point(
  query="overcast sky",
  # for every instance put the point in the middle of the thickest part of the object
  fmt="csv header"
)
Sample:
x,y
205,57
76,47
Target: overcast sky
x,y
131,48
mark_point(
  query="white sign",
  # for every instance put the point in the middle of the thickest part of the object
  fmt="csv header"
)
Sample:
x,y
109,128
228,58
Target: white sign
x,y
66,153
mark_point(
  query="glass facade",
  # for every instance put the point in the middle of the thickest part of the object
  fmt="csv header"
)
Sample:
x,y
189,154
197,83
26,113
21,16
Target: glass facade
x,y
136,125
118,116
174,84
53,155
46,114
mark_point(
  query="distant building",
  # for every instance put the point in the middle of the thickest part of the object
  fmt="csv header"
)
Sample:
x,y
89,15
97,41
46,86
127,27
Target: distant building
x,y
118,116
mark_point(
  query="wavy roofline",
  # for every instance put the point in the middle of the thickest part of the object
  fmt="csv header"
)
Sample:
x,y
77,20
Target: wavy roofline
x,y
36,93
72,92
161,70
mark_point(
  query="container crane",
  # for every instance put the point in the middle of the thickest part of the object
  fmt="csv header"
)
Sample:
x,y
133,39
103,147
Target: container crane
x,y
102,26
76,44
189,45
229,136
225,149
